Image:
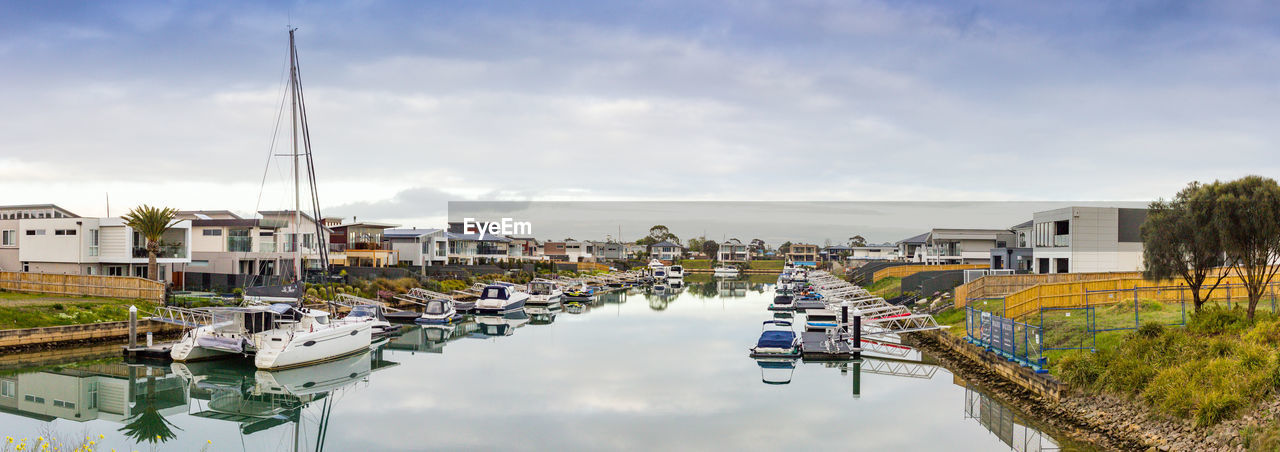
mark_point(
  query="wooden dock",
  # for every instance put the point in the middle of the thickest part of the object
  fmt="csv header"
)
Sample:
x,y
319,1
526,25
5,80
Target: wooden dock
x,y
816,346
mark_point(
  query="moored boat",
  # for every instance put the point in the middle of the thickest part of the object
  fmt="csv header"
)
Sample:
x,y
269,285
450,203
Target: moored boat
x,y
499,298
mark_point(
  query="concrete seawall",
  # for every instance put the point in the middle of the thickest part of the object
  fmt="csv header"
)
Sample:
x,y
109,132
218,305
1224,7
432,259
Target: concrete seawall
x,y
1042,385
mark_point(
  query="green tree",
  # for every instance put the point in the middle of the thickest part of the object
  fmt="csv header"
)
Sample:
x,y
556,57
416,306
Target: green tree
x,y
1247,216
784,248
1179,240
758,246
710,247
857,240
151,223
659,233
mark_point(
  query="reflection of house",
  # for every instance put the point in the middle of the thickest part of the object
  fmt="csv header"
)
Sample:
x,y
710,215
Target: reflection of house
x,y
733,250
1087,239
361,245
802,252
665,250
419,247
95,246
113,392
731,287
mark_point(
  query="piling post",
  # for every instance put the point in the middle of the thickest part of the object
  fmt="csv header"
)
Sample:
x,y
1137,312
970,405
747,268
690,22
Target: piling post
x,y
857,378
857,337
133,326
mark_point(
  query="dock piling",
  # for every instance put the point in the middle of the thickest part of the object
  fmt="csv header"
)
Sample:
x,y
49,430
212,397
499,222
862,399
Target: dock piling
x,y
133,326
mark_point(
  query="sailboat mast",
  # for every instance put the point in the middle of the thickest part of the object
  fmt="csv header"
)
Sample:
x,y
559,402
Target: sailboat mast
x,y
297,187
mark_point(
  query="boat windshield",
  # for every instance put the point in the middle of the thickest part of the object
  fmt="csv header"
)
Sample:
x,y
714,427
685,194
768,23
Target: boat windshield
x,y
495,293
362,311
434,307
540,289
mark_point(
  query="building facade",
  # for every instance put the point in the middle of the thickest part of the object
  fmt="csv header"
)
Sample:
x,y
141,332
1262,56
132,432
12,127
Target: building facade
x,y
1087,239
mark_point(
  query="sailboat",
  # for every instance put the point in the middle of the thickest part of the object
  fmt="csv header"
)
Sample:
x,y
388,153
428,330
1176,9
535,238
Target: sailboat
x,y
282,334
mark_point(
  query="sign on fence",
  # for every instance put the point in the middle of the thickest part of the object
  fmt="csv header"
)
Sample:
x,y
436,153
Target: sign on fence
x,y
1012,339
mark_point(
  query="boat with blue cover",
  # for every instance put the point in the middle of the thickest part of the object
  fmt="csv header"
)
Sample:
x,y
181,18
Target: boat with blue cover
x,y
498,298
439,312
782,302
778,340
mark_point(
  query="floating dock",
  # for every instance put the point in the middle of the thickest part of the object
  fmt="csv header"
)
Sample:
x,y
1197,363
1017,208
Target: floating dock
x,y
156,352
819,346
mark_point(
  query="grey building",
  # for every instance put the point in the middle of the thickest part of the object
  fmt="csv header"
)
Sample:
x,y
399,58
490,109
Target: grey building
x,y
1087,239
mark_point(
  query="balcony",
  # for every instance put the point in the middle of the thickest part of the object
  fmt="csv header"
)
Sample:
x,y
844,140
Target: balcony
x,y
267,247
175,251
1062,240
242,244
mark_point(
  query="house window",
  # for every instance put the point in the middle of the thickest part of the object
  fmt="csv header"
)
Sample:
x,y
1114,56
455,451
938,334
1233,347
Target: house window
x,y
64,232
26,267
140,271
9,237
93,242
35,231
8,389
93,395
33,399
115,271
63,404
212,232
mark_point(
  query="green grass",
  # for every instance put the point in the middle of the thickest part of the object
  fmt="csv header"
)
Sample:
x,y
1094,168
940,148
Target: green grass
x,y
696,263
772,264
1216,368
887,287
62,310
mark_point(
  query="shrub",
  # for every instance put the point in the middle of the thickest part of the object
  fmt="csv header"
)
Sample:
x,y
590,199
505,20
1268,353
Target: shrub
x,y
1218,406
1215,320
1080,369
1151,329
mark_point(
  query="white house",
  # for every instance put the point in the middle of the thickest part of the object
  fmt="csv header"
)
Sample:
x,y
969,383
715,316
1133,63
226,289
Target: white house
x,y
420,247
97,246
1087,239
733,250
667,251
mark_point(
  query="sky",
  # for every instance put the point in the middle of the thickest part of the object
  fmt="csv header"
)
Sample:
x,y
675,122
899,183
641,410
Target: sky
x,y
415,104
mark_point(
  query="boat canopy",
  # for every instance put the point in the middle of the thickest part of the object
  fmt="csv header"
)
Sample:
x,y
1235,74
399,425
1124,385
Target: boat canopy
x,y
495,292
435,307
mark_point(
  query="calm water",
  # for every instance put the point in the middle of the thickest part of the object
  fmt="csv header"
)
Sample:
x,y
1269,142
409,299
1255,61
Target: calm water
x,y
633,371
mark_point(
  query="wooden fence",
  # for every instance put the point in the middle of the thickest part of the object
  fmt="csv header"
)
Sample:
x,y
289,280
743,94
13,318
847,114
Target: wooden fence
x,y
902,271
999,286
1090,293
126,287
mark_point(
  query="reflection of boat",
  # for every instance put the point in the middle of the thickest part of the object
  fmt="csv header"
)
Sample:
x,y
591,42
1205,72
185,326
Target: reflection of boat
x,y
615,297
544,292
776,371
542,315
499,298
675,272
439,311
777,339
726,272
502,325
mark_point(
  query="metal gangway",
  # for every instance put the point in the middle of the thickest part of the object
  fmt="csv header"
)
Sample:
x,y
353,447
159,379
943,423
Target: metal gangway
x,y
184,317
351,301
879,317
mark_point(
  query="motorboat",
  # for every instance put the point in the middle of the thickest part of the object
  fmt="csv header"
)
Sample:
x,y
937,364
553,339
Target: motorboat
x,y
300,336
544,292
500,297
375,315
229,333
726,272
439,312
777,339
580,292
675,272
657,270
782,302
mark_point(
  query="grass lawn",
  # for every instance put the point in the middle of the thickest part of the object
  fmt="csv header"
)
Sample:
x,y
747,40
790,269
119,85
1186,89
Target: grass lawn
x,y
696,263
25,310
887,287
773,264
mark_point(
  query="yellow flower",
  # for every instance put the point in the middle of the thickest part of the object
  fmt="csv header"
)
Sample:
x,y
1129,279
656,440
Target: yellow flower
x,y
100,436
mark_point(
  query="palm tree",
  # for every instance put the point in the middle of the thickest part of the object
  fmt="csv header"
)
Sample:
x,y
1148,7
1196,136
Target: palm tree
x,y
151,222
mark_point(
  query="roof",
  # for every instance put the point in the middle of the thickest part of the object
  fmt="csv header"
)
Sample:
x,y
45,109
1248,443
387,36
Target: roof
x,y
838,247
369,224
1023,225
915,239
207,214
40,206
666,244
243,222
731,242
389,233
477,237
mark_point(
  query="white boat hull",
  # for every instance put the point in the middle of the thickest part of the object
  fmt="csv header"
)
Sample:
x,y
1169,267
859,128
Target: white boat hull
x,y
283,349
188,348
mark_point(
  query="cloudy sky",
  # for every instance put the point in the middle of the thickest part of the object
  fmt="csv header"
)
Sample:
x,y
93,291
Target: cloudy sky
x,y
413,104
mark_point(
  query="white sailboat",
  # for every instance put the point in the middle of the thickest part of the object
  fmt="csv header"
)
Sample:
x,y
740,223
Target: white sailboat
x,y
284,334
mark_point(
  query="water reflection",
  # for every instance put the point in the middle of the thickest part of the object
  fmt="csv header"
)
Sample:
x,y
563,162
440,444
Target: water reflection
x,y
1005,423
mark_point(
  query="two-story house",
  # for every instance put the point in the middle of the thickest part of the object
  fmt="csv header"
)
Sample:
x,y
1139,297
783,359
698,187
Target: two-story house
x,y
1087,239
802,253
666,250
98,246
733,250
419,247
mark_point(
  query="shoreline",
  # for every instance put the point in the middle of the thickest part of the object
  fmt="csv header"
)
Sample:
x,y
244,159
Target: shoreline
x,y
1100,420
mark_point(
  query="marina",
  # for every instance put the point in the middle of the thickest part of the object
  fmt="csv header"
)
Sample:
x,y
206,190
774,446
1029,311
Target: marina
x,y
619,367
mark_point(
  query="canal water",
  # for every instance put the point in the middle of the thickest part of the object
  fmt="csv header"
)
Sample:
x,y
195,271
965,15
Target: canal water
x,y
634,370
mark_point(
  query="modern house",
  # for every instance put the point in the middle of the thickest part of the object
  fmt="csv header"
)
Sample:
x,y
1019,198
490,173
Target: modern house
x,y
610,251
1087,239
361,245
1017,254
886,251
472,249
555,251
97,246
912,249
963,246
418,247
579,251
224,243
665,250
10,238
733,250
529,246
292,235
802,252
